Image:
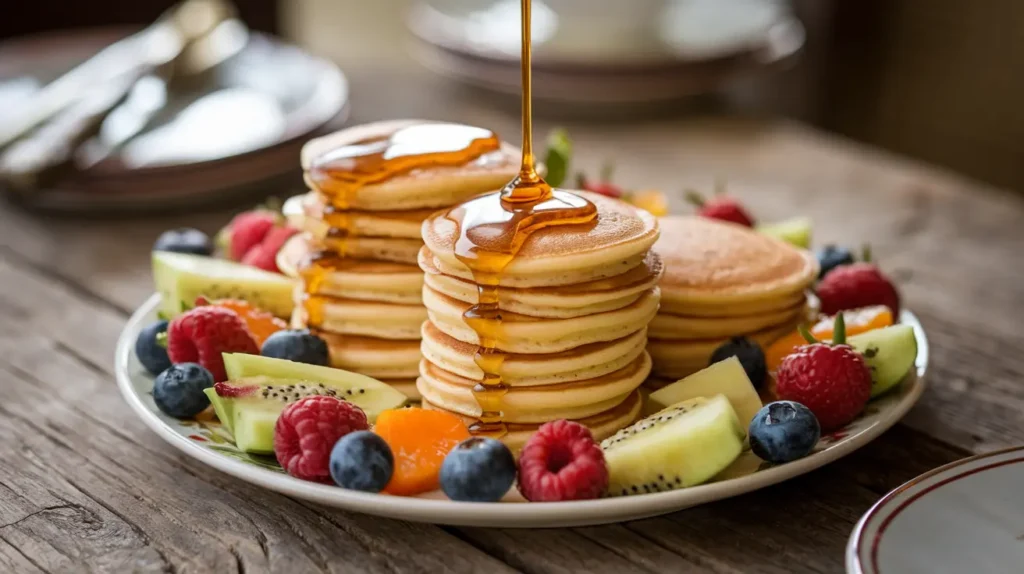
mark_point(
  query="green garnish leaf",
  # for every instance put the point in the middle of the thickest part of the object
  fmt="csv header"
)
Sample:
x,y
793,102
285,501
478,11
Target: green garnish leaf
x,y
559,154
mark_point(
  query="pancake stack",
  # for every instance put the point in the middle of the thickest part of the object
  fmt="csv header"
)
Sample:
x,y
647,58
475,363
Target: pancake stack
x,y
575,302
722,280
360,287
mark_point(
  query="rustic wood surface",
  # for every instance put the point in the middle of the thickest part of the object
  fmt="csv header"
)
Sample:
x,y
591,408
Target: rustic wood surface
x,y
84,486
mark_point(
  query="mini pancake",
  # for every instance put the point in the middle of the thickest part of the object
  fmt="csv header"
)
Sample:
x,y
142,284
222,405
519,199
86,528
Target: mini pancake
x,y
374,357
676,327
733,308
602,425
306,212
422,188
615,242
377,248
522,334
362,279
560,302
715,263
536,404
679,358
517,370
371,319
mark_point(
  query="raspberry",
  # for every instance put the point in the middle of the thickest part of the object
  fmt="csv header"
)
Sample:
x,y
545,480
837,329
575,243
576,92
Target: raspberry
x,y
264,255
247,230
202,334
306,432
722,208
832,381
855,286
561,461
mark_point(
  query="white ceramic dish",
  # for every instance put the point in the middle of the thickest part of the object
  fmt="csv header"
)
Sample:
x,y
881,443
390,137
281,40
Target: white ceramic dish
x,y
966,516
208,443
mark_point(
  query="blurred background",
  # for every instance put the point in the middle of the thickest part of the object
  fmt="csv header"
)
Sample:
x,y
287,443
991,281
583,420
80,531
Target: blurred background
x,y
213,101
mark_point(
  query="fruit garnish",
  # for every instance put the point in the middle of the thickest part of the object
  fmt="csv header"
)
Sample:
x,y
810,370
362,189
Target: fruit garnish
x,y
749,353
782,348
247,230
651,200
830,379
720,206
857,285
795,231
181,278
726,377
683,445
561,461
889,353
832,256
420,439
203,334
184,240
557,158
362,461
297,345
261,323
604,185
478,470
783,431
149,351
856,321
307,430
264,254
179,390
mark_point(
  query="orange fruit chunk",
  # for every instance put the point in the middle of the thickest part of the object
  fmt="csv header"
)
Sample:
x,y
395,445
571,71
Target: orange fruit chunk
x,y
857,321
652,200
419,440
260,323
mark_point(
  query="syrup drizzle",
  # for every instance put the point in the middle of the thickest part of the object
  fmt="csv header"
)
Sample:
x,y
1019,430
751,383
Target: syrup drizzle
x,y
492,230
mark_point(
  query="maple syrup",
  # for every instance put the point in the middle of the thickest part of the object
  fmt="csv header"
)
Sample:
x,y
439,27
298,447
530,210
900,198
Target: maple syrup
x,y
492,229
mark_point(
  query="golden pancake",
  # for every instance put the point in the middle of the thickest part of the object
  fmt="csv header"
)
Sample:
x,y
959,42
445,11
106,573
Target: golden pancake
x,y
586,362
363,279
536,404
560,302
306,212
715,263
602,425
372,356
421,188
523,334
615,242
676,327
377,248
354,317
679,358
733,308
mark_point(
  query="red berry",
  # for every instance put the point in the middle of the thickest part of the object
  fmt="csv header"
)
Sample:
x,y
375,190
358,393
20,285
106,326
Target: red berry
x,y
264,255
202,334
857,285
831,380
306,432
604,188
247,230
725,208
561,461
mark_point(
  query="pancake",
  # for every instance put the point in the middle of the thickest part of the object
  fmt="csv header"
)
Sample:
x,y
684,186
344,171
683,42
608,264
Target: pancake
x,y
372,319
715,263
363,279
422,188
617,241
536,404
306,212
602,425
378,248
372,356
676,327
555,302
679,358
733,308
586,362
523,334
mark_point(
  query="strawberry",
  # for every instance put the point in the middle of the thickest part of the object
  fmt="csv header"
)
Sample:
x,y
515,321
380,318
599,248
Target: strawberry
x,y
831,380
604,185
857,285
721,207
264,255
202,334
246,230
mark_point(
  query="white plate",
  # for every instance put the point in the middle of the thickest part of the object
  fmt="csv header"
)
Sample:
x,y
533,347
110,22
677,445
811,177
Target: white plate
x,y
210,444
966,516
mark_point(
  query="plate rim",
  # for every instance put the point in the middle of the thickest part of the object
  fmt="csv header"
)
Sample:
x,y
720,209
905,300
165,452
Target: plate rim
x,y
488,514
854,564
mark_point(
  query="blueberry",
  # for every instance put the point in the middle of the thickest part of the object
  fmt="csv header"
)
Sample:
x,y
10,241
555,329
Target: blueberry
x,y
361,460
831,256
152,355
178,391
184,240
297,345
478,470
750,355
783,431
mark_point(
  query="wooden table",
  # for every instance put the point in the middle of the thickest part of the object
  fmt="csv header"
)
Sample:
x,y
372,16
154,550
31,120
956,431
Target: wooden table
x,y
84,486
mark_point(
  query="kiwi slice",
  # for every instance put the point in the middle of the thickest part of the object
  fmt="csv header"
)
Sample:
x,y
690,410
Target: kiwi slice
x,y
683,445
889,352
724,377
180,278
795,231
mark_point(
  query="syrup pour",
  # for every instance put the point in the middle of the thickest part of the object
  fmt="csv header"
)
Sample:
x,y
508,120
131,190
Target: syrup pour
x,y
492,230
